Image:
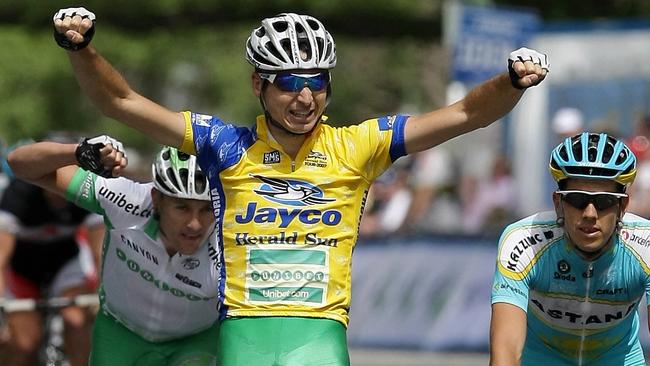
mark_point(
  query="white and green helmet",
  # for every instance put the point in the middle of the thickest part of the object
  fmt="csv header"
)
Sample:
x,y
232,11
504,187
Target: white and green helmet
x,y
177,174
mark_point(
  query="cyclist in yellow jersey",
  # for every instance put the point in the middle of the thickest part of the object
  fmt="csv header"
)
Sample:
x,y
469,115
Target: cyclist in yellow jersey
x,y
288,193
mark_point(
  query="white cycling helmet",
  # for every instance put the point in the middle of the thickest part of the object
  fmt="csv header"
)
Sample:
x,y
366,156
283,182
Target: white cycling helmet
x,y
291,42
178,175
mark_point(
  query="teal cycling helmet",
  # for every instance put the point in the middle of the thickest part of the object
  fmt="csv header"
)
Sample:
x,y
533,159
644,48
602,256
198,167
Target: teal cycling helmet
x,y
177,174
593,156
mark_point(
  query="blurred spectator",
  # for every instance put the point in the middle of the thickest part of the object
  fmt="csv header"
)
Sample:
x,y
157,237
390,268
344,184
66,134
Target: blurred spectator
x,y
640,141
567,122
139,168
435,207
490,205
388,201
4,179
40,257
640,190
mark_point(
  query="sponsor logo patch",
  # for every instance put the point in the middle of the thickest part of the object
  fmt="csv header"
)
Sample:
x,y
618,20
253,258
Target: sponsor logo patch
x,y
272,157
291,192
201,119
191,263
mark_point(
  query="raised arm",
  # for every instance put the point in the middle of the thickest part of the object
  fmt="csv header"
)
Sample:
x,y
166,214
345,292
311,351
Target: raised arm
x,y
483,105
52,165
107,89
507,334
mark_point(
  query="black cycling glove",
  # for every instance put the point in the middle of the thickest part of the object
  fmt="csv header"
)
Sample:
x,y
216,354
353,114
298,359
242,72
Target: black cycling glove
x,y
88,155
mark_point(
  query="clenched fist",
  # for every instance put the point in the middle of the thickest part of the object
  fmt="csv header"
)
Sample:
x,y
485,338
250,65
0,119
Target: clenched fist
x,y
527,67
74,28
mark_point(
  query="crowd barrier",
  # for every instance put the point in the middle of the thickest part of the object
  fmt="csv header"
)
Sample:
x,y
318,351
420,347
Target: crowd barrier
x,y
427,293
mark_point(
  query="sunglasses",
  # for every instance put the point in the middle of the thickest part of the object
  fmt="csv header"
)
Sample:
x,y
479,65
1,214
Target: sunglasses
x,y
600,200
294,83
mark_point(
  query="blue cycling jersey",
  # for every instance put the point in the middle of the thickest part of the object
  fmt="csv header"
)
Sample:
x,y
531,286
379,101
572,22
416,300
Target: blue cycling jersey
x,y
580,312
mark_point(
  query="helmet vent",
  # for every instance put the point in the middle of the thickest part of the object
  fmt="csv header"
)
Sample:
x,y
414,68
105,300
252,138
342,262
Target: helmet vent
x,y
200,182
183,173
258,58
260,32
162,183
592,154
564,155
600,172
183,156
554,164
280,26
274,51
312,24
577,152
166,155
305,50
170,174
300,30
320,43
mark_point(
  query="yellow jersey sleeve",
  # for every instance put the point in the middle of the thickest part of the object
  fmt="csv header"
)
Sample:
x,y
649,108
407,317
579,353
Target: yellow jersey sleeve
x,y
373,145
188,139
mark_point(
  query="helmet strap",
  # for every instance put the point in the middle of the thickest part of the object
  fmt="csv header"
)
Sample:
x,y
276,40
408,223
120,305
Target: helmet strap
x,y
619,217
329,95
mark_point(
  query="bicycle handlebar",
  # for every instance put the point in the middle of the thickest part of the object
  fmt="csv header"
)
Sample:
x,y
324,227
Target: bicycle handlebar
x,y
14,305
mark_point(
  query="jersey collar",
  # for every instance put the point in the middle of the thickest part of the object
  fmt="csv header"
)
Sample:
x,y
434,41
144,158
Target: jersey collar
x,y
263,133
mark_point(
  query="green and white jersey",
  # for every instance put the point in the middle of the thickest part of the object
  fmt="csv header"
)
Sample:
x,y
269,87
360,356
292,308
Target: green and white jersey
x,y
156,296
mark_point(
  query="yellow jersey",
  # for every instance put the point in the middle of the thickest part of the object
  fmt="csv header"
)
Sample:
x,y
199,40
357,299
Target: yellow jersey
x,y
287,227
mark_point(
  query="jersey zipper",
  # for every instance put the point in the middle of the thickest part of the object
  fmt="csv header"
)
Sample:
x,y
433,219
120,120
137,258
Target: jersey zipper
x,y
293,165
585,310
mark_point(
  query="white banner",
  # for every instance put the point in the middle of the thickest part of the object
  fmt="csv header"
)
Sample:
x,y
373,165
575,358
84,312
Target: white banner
x,y
422,295
429,294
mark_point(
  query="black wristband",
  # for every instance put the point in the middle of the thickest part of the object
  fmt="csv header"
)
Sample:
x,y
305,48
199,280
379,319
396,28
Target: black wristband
x,y
65,43
514,78
88,158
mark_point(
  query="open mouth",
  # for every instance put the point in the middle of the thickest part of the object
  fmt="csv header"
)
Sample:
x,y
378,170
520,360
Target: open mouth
x,y
190,236
302,114
589,230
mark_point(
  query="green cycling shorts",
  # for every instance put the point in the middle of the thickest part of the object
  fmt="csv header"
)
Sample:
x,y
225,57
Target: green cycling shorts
x,y
114,344
282,341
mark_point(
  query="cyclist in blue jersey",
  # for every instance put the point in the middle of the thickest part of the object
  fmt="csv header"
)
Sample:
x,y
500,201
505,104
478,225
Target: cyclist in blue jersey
x,y
568,282
288,194
159,283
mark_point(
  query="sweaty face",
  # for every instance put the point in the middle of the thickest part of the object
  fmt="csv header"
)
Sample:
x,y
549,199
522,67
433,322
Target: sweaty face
x,y
184,223
589,228
298,112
